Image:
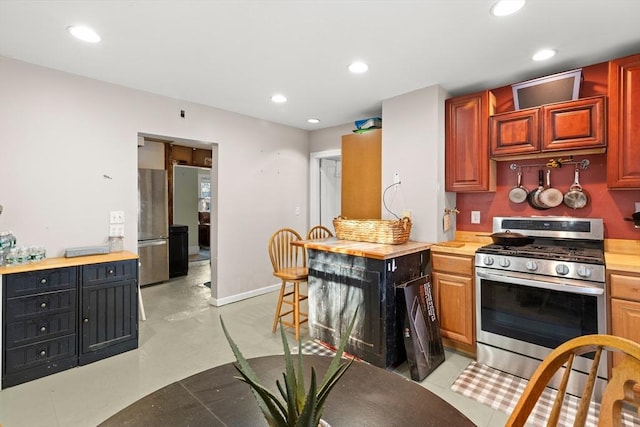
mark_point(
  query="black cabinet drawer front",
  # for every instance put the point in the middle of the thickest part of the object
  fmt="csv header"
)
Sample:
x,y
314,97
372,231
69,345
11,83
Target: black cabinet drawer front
x,y
38,354
34,330
100,273
40,305
33,282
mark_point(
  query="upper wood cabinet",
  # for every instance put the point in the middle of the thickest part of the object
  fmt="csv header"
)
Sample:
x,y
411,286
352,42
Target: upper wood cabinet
x,y
468,167
362,175
623,167
563,126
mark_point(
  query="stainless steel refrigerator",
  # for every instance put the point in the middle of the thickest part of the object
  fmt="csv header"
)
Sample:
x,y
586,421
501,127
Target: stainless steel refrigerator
x,y
153,227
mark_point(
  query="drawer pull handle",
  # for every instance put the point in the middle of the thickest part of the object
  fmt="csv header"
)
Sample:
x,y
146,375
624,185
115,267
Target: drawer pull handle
x,y
43,281
43,305
43,329
111,271
43,353
85,320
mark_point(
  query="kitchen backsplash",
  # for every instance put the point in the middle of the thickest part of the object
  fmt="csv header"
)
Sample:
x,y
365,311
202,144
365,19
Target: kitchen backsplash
x,y
612,206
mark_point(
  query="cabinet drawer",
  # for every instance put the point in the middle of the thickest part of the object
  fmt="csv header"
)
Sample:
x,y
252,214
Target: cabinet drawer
x,y
452,264
35,282
32,330
41,305
625,287
42,353
95,274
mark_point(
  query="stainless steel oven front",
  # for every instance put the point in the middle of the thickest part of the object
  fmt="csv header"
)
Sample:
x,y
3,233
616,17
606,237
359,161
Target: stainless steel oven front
x,y
521,317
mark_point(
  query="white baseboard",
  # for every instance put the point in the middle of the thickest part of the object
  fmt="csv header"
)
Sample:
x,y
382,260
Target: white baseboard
x,y
217,302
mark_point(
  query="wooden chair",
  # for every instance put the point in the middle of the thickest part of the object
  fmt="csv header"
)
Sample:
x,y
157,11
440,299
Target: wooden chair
x,y
319,232
622,389
290,265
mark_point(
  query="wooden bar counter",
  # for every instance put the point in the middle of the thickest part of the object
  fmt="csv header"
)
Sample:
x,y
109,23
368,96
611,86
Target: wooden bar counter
x,y
345,276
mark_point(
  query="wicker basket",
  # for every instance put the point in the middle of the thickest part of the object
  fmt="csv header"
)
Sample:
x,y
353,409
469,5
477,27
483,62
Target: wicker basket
x,y
392,232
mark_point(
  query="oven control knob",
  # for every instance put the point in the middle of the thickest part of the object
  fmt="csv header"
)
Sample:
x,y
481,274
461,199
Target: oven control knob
x,y
562,269
531,265
583,271
488,260
504,262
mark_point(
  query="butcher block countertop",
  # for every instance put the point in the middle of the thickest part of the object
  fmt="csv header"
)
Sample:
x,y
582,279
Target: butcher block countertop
x,y
465,243
622,255
68,262
364,249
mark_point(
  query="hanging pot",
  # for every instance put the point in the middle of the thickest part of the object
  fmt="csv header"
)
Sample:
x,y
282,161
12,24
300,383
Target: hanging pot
x,y
534,196
518,194
576,198
551,197
508,238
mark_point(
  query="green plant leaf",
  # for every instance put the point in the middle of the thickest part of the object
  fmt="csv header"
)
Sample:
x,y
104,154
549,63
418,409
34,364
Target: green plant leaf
x,y
289,379
275,414
309,414
245,370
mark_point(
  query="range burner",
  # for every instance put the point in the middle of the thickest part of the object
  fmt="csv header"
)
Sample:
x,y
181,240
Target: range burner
x,y
589,255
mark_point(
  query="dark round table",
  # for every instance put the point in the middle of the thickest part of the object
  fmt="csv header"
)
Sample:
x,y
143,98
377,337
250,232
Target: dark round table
x,y
364,396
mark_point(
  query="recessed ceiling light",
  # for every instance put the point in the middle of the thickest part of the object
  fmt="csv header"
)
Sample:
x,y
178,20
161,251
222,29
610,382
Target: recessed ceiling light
x,y
314,121
279,98
506,7
543,54
358,67
84,33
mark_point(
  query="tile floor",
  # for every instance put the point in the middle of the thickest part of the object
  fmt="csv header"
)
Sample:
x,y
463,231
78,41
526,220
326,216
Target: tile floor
x,y
181,336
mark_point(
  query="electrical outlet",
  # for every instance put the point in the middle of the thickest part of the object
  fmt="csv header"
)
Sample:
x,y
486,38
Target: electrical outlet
x,y
116,217
637,206
297,210
407,213
475,217
116,230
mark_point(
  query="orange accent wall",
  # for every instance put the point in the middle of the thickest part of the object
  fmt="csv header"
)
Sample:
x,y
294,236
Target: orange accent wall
x,y
612,206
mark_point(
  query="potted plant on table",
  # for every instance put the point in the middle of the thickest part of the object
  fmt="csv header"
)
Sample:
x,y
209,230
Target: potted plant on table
x,y
298,408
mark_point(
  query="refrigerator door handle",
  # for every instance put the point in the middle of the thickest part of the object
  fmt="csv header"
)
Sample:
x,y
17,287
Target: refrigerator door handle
x,y
144,244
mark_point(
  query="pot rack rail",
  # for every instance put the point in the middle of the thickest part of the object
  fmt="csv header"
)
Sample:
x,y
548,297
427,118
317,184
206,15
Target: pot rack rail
x,y
554,163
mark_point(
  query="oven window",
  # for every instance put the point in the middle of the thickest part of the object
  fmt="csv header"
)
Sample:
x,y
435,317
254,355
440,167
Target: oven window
x,y
538,316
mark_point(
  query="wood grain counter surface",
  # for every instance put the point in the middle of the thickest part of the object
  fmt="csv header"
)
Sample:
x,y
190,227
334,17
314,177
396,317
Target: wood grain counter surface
x,y
62,262
364,249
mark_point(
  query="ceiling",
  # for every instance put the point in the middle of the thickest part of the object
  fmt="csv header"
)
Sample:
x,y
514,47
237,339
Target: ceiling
x,y
234,55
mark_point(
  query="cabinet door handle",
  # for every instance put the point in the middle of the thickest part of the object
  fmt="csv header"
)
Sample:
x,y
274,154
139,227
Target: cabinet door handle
x,y
43,353
43,305
43,281
43,329
85,320
111,271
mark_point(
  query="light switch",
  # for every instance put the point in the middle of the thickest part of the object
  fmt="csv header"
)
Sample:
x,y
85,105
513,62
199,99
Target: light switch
x,y
475,217
116,217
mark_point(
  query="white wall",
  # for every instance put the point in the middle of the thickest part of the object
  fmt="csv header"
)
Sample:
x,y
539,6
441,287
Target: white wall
x,y
69,156
413,146
329,138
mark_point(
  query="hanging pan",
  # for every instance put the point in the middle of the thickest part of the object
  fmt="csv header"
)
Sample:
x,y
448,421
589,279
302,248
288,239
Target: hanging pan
x,y
534,196
576,198
551,197
519,193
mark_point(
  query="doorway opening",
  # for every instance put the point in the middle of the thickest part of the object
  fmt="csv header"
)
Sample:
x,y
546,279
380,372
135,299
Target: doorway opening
x,y
325,171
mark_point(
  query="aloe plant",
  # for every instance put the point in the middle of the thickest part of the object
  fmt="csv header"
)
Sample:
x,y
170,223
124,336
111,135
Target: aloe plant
x,y
298,408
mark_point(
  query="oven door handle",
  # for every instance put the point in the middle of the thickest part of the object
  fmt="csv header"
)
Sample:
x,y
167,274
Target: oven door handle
x,y
574,289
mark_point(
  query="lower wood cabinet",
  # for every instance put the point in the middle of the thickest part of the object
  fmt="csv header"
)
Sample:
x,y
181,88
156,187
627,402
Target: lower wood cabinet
x,y
339,284
452,277
58,318
624,289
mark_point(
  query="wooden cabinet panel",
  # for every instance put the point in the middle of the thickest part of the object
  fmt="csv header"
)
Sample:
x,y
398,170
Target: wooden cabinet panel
x,y
452,264
625,318
574,125
623,167
516,132
454,306
362,175
467,164
625,287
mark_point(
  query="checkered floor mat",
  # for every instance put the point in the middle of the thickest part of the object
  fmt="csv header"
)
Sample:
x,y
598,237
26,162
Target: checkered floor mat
x,y
501,391
321,349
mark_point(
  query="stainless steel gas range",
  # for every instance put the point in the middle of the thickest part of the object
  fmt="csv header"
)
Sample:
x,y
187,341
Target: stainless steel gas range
x,y
532,298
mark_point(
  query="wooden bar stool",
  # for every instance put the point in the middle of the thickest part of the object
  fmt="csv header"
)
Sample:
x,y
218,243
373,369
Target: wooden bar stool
x,y
319,232
290,265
